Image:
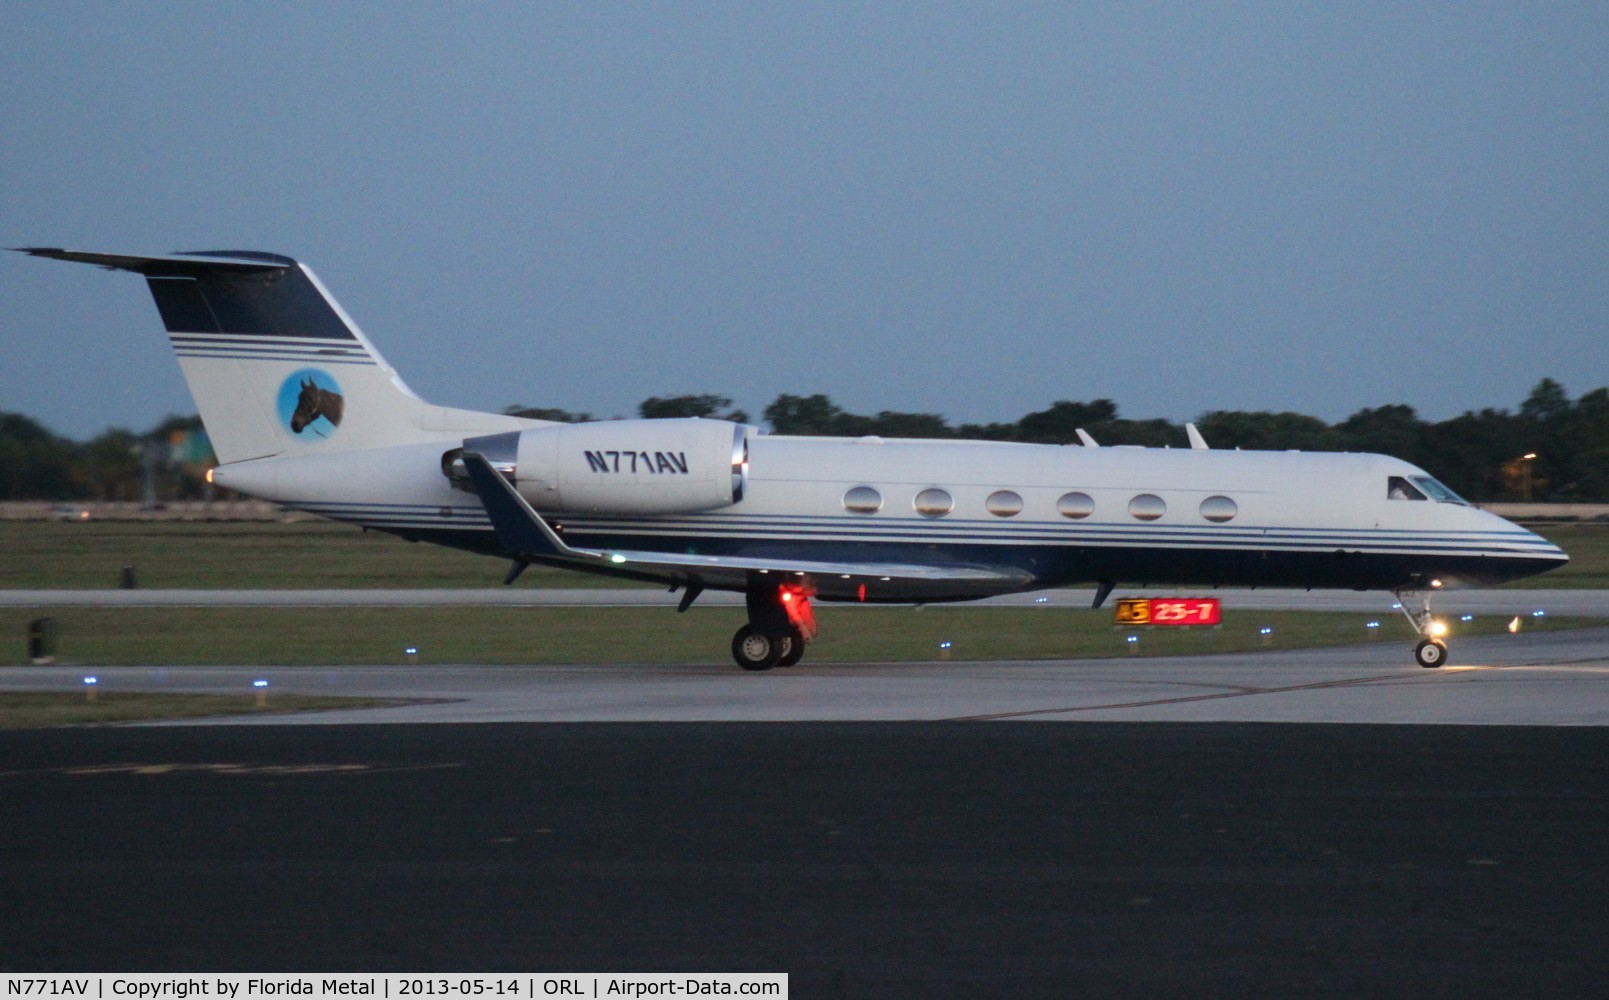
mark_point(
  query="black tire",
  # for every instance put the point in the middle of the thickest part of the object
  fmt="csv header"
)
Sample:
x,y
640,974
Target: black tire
x,y
755,651
793,649
1431,653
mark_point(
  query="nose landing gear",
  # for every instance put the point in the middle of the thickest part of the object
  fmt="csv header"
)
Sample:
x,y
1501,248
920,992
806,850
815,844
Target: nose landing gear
x,y
781,622
1431,652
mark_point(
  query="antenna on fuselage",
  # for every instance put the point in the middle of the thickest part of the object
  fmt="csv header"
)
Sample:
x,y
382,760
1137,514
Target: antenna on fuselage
x,y
1197,442
1085,439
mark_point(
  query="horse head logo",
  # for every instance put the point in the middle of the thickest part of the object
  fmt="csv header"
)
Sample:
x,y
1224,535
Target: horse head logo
x,y
313,402
308,396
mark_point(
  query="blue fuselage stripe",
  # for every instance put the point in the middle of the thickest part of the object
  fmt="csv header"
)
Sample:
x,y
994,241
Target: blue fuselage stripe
x,y
1051,553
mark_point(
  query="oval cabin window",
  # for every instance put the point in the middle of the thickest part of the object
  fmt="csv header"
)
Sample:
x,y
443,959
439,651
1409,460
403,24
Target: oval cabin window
x,y
1147,507
1003,503
1219,509
863,500
1075,505
934,502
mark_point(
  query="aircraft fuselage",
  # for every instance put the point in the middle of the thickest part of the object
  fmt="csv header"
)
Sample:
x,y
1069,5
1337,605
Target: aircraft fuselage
x,y
1046,515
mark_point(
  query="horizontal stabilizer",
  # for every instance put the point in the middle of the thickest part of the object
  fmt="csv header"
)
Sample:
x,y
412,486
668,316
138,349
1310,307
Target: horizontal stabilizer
x,y
183,265
235,293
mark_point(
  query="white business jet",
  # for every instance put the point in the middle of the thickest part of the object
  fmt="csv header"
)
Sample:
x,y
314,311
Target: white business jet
x,y
303,411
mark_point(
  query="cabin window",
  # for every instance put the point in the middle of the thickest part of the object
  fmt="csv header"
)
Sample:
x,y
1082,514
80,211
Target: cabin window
x,y
863,500
1147,507
1004,503
1219,509
934,502
1438,492
1400,489
1075,505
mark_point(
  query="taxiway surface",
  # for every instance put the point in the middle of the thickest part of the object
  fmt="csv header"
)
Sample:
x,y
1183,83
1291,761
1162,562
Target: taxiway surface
x,y
1536,678
698,818
864,859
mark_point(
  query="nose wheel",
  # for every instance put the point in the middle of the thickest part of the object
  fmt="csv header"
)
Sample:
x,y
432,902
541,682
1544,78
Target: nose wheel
x,y
1431,652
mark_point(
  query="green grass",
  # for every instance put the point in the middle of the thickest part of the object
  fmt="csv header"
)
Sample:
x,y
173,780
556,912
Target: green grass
x,y
251,555
31,710
318,555
1588,546
351,636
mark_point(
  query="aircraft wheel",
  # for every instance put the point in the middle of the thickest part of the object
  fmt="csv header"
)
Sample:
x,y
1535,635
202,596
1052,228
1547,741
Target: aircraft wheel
x,y
1430,653
793,648
755,651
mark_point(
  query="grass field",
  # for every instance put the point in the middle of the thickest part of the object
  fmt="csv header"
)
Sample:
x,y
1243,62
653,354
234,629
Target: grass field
x,y
243,555
314,555
188,636
1588,547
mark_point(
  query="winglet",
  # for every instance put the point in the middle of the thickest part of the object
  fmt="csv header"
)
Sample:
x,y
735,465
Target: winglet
x,y
520,529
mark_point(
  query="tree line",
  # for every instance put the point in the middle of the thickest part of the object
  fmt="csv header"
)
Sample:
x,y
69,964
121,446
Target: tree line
x,y
1552,448
167,462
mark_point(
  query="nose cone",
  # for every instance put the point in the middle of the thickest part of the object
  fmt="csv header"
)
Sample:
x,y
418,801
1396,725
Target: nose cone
x,y
1524,553
1492,550
1551,555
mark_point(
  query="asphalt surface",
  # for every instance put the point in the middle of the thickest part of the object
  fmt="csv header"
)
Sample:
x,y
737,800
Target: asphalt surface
x,y
973,841
1532,678
913,859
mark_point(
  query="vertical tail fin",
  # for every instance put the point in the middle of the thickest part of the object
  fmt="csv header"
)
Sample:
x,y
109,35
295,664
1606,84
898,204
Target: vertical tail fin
x,y
274,364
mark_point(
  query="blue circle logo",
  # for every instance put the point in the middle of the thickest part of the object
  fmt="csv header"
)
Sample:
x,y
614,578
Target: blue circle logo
x,y
310,403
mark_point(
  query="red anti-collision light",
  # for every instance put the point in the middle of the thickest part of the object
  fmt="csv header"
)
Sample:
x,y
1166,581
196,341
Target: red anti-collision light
x,y
796,602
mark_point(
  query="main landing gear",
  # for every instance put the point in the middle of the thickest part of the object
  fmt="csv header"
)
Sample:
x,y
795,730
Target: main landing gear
x,y
1431,651
781,622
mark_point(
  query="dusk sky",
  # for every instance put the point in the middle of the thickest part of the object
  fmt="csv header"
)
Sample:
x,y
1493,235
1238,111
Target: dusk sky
x,y
971,210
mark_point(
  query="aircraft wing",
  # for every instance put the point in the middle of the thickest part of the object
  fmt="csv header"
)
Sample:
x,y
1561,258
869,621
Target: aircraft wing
x,y
898,571
522,531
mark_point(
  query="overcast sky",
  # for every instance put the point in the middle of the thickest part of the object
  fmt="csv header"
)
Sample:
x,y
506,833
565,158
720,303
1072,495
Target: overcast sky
x,y
969,210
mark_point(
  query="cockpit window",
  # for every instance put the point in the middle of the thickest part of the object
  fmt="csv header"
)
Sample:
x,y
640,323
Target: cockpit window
x,y
1400,489
1437,491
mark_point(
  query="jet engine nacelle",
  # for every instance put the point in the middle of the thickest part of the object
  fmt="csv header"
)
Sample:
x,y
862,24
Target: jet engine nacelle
x,y
618,466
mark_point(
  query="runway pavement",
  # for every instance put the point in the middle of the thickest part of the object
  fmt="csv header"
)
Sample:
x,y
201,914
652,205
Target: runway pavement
x,y
1534,678
1120,827
865,860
